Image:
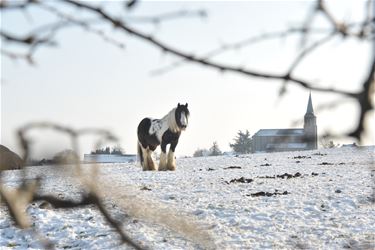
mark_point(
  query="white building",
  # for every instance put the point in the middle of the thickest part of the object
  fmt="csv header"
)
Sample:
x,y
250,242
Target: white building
x,y
109,158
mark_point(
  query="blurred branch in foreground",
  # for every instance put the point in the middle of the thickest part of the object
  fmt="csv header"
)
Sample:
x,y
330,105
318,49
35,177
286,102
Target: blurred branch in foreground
x,y
17,199
91,192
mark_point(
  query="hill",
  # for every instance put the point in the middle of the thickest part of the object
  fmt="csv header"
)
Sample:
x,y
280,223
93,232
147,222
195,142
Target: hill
x,y
9,159
320,199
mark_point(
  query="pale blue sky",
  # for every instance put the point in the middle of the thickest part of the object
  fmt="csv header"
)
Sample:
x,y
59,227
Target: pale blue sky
x,y
86,82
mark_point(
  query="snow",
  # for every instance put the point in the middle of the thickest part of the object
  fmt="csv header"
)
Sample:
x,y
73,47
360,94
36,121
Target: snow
x,y
330,204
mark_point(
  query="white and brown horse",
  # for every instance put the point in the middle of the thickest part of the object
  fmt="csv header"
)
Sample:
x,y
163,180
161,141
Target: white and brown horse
x,y
155,132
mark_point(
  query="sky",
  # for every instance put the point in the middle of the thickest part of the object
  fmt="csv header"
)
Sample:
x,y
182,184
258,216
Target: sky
x,y
85,81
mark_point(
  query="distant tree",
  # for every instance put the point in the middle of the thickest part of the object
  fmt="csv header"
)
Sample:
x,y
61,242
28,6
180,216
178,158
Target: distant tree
x,y
67,156
215,150
107,150
242,143
98,151
43,162
328,144
201,152
117,151
332,145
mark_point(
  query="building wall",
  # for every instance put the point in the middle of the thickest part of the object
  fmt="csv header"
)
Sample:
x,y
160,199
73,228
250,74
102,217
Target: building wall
x,y
104,158
260,142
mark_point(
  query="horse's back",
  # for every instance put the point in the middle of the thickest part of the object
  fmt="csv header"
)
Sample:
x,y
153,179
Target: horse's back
x,y
144,137
143,127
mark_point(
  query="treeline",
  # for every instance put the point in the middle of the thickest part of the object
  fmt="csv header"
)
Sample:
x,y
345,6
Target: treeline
x,y
242,145
108,151
68,156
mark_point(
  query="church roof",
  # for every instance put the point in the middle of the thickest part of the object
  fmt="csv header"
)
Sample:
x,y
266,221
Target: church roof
x,y
310,109
281,132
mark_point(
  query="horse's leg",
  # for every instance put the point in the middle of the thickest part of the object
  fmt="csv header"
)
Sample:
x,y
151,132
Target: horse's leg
x,y
171,164
144,159
150,161
163,157
140,153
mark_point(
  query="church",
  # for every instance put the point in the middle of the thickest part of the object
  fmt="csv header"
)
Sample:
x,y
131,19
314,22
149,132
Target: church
x,y
277,140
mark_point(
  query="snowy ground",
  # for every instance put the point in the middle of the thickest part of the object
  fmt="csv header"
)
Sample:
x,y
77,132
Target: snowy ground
x,y
324,201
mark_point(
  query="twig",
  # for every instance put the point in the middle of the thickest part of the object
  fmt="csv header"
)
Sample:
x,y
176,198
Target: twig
x,y
27,40
15,56
302,55
340,27
70,20
15,5
239,45
167,16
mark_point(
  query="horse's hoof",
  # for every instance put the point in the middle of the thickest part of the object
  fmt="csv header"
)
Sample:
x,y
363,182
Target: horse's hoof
x,y
162,168
149,169
171,168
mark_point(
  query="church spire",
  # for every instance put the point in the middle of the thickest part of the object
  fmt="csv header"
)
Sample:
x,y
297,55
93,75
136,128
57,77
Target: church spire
x,y
310,109
309,126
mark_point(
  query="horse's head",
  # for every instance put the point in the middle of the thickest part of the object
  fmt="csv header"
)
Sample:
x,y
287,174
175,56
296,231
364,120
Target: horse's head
x,y
182,116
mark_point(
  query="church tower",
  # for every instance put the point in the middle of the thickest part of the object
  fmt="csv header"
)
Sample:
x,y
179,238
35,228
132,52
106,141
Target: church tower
x,y
311,135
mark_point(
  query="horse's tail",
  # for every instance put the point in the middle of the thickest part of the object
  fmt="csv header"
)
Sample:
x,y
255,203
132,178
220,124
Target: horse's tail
x,y
139,151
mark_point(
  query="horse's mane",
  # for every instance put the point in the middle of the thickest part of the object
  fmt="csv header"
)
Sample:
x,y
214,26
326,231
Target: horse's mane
x,y
171,120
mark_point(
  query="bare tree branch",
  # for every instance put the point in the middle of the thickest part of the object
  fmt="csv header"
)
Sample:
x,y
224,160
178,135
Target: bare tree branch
x,y
15,56
367,19
302,55
339,26
309,50
202,61
167,16
17,204
70,20
240,45
89,199
15,5
27,40
364,100
131,3
366,31
31,41
307,27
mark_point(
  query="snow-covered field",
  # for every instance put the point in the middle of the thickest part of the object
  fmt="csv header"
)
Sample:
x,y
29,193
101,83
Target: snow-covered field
x,y
322,199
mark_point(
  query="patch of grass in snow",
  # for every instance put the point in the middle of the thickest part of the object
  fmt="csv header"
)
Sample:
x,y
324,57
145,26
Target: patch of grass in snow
x,y
12,244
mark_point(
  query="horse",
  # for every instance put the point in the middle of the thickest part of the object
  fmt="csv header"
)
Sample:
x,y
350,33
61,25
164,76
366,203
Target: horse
x,y
154,132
